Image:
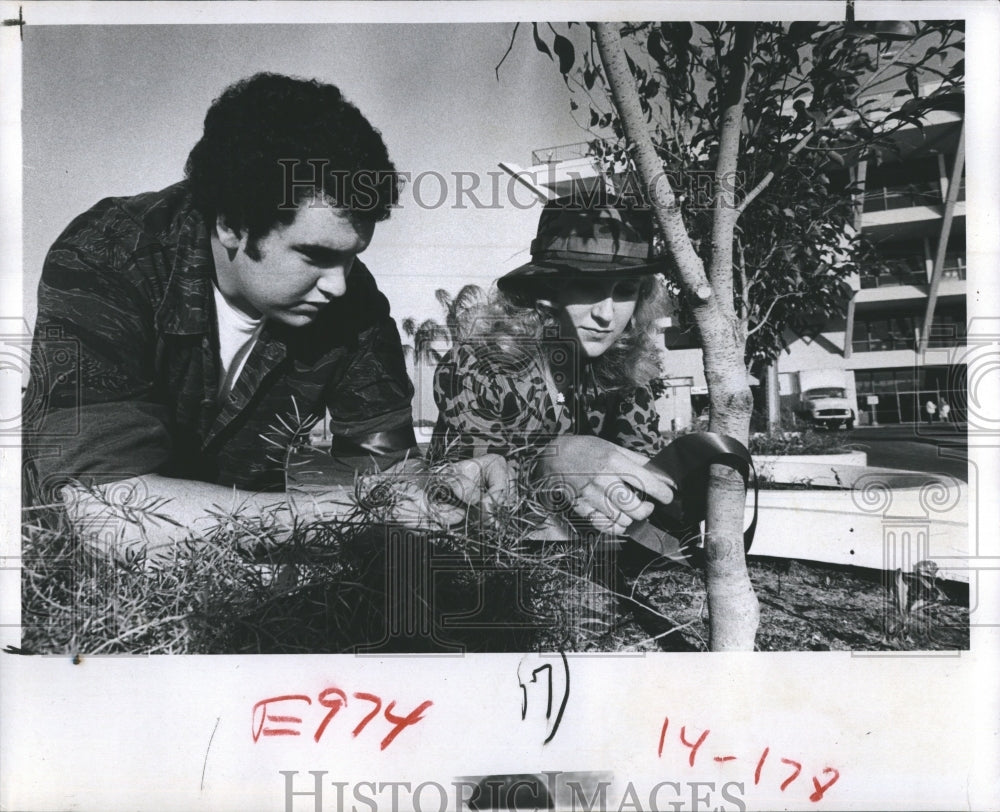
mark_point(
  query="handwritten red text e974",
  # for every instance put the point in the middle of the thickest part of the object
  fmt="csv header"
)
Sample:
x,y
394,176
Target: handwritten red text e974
x,y
282,715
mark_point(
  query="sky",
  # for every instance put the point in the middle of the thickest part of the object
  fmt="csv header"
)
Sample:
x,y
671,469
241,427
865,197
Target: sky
x,y
114,110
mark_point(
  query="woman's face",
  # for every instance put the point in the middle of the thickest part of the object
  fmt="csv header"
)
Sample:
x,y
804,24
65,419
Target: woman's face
x,y
596,311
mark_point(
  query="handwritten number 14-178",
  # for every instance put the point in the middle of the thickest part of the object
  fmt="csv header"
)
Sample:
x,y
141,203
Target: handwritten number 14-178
x,y
789,772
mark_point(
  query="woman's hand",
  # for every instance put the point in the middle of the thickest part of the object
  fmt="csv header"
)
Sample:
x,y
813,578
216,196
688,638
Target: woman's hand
x,y
600,482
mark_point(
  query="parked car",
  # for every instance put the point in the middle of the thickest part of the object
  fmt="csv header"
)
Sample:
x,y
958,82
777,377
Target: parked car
x,y
823,398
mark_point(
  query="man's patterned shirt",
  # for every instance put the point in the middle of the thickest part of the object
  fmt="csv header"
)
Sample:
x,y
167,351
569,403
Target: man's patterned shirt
x,y
125,362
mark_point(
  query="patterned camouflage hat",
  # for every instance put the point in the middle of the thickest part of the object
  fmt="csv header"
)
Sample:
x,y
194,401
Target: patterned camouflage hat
x,y
577,238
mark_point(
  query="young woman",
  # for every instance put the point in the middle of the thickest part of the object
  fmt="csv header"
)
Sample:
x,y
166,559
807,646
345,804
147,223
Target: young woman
x,y
554,372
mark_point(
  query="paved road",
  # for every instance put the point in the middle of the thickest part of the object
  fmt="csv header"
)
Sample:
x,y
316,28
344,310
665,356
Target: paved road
x,y
934,448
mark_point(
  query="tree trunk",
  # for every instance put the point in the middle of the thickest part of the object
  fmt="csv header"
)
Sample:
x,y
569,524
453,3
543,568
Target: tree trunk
x,y
733,608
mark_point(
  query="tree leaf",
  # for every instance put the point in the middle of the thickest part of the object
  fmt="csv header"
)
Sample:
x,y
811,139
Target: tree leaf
x,y
678,33
655,46
539,44
800,32
567,55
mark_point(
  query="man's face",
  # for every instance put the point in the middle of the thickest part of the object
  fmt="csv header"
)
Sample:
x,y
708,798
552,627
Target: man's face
x,y
300,267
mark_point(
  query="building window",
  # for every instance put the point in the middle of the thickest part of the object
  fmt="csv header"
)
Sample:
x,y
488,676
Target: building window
x,y
884,332
900,329
948,327
902,393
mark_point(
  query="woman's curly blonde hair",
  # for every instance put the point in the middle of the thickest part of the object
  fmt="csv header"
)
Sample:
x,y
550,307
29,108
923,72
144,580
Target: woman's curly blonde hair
x,y
516,323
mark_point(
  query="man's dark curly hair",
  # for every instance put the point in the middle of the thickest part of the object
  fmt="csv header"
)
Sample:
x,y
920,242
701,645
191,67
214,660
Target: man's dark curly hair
x,y
272,140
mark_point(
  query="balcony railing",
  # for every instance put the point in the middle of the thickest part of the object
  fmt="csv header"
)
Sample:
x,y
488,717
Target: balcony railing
x,y
911,271
875,344
954,267
563,152
897,271
946,331
885,198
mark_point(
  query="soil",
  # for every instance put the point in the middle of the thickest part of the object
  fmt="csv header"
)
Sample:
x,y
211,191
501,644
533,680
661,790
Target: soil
x,y
808,606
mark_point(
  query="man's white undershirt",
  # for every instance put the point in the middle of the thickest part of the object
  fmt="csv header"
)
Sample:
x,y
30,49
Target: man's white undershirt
x,y
237,335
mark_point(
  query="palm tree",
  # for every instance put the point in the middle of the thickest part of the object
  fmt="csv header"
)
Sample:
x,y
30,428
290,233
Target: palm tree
x,y
458,308
409,327
423,354
421,349
425,336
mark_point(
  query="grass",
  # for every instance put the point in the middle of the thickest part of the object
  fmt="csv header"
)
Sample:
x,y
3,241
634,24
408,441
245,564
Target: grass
x,y
360,584
356,584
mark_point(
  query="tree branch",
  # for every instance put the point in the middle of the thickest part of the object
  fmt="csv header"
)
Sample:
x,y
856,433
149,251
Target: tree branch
x,y
762,321
733,95
513,34
770,175
661,194
766,180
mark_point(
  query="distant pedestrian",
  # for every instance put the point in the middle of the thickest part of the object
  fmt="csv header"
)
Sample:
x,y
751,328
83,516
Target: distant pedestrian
x,y
930,407
944,410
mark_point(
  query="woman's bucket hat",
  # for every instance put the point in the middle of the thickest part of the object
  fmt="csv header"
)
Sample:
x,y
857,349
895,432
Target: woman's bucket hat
x,y
578,238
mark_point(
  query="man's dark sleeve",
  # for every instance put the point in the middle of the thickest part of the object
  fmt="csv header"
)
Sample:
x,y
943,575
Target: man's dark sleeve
x,y
370,408
89,410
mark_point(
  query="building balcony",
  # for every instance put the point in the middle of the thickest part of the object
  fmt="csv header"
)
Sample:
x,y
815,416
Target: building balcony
x,y
912,271
885,198
923,193
563,152
952,285
912,222
907,359
897,271
561,170
893,333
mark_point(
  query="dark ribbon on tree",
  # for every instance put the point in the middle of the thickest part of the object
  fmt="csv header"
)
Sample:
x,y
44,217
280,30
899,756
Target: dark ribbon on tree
x,y
687,461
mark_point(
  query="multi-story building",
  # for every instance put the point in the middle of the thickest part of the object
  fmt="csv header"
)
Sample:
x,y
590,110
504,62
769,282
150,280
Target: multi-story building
x,y
901,342
904,333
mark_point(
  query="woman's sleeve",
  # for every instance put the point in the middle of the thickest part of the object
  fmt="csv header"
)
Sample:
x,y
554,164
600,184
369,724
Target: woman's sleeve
x,y
637,426
486,406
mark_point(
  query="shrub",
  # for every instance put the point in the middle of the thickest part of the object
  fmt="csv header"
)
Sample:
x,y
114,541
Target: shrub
x,y
807,441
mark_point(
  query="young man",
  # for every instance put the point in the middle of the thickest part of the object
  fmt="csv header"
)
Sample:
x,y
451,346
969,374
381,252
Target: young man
x,y
185,336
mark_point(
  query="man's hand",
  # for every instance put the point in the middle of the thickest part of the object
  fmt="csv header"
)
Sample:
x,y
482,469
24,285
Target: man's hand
x,y
112,518
600,482
429,500
485,481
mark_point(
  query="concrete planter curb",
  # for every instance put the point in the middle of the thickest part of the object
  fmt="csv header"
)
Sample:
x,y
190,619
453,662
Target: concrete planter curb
x,y
878,518
813,469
